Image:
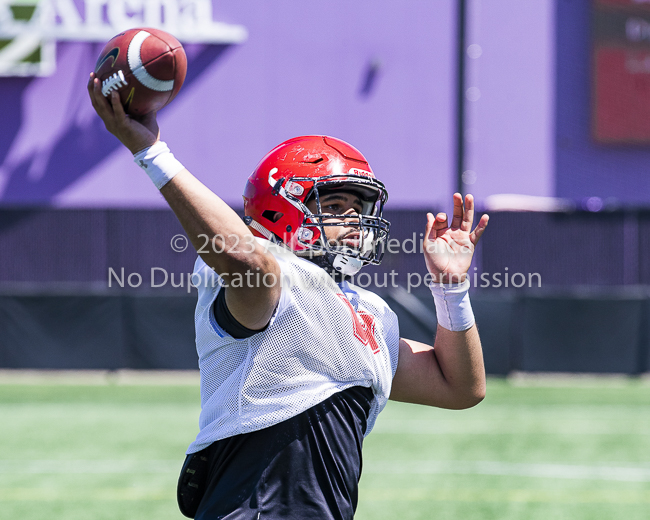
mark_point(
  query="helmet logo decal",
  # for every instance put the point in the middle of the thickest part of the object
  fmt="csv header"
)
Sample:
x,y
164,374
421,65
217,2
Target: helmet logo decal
x,y
357,171
295,189
305,234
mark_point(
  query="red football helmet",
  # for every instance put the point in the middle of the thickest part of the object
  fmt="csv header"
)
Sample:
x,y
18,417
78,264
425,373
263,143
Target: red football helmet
x,y
298,170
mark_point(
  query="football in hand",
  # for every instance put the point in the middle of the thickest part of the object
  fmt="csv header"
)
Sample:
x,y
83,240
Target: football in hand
x,y
145,66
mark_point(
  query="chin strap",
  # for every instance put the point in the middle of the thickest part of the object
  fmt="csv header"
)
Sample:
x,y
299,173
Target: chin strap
x,y
339,267
347,266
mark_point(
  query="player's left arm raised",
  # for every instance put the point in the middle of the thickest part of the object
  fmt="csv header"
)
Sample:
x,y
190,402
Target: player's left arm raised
x,y
451,373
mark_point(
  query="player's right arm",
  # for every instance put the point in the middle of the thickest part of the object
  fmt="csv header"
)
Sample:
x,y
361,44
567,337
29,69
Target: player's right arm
x,y
232,250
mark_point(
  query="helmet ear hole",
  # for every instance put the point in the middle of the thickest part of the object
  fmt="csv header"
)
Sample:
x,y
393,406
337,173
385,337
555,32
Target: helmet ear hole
x,y
273,216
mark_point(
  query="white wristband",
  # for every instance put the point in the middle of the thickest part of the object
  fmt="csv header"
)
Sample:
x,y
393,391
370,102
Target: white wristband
x,y
453,309
159,163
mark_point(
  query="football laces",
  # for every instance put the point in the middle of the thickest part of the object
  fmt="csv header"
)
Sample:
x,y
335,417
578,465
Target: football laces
x,y
114,82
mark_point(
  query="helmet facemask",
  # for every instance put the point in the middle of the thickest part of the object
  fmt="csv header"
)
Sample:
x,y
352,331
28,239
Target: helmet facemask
x,y
369,229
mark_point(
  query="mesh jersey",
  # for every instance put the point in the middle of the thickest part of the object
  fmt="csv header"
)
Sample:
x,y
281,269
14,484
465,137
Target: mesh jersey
x,y
323,338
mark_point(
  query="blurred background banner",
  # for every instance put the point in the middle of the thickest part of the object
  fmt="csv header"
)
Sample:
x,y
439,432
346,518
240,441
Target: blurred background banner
x,y
621,71
30,29
547,126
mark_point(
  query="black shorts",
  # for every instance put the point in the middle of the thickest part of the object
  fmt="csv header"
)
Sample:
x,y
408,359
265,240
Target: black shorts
x,y
307,467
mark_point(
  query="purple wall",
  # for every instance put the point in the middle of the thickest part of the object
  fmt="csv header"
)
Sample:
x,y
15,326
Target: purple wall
x,y
302,70
510,69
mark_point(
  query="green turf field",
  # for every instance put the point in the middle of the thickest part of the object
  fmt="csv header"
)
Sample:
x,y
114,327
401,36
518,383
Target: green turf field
x,y
111,449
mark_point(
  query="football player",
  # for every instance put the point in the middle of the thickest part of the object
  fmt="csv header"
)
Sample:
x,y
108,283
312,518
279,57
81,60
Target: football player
x,y
296,362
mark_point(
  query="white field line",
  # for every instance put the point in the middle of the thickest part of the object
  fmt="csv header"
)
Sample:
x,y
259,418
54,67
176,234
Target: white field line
x,y
553,471
539,470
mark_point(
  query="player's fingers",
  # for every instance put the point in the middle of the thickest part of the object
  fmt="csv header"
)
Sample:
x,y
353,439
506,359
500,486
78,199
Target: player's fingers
x,y
458,211
95,89
116,103
100,103
429,227
441,224
441,221
468,216
90,84
91,88
480,228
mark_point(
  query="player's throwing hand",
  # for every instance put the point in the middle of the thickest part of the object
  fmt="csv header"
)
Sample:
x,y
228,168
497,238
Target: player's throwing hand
x,y
135,134
448,249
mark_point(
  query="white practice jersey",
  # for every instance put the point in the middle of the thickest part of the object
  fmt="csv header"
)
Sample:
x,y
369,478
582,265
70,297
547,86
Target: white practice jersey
x,y
324,337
